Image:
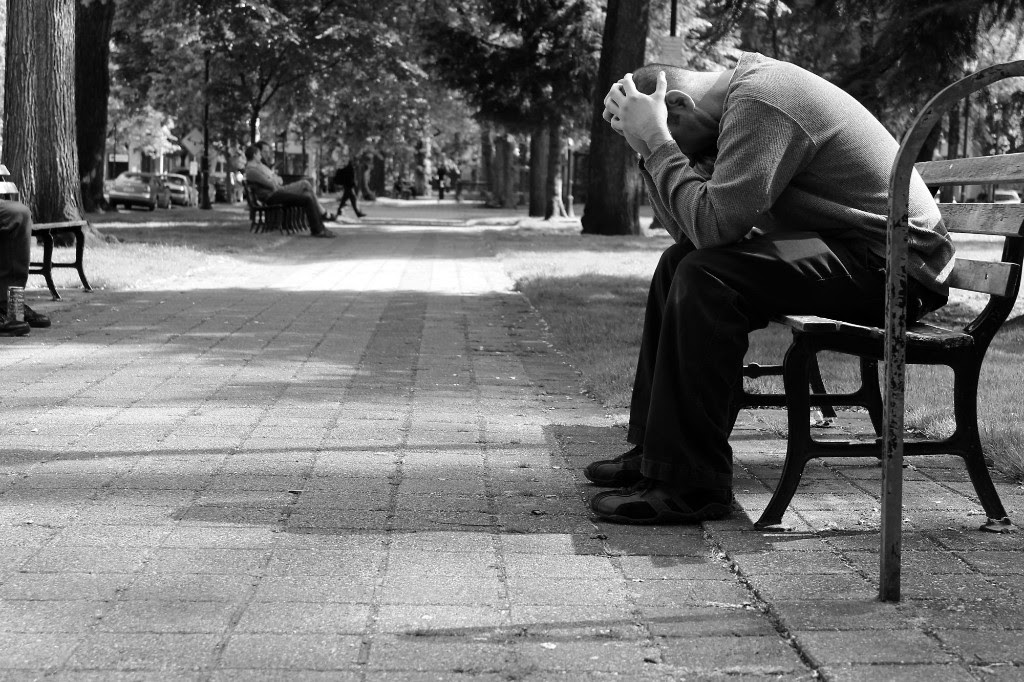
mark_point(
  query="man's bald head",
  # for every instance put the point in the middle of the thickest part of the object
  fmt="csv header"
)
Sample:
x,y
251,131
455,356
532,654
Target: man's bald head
x,y
696,84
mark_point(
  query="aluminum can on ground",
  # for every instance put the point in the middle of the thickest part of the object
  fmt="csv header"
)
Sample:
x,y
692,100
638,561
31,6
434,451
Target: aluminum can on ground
x,y
15,304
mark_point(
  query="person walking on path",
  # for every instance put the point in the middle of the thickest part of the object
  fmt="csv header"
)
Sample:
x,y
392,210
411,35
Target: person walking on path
x,y
15,254
346,177
773,183
270,189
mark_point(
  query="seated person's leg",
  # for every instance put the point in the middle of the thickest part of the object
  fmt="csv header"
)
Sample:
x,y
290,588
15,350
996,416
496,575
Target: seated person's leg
x,y
717,296
15,250
15,245
291,195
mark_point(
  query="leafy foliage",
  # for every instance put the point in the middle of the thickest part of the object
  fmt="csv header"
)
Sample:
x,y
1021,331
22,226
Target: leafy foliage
x,y
519,62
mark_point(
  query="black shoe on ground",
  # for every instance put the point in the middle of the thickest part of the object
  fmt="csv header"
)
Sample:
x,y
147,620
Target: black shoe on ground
x,y
14,329
651,501
37,320
360,214
620,472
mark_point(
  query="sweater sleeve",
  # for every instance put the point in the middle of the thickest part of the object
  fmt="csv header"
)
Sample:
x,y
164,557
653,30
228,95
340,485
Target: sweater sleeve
x,y
760,150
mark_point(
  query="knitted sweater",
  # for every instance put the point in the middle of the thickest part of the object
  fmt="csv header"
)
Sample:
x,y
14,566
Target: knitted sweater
x,y
794,153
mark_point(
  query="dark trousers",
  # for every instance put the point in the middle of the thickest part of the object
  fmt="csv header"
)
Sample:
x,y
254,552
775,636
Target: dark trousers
x,y
300,194
702,305
348,194
15,245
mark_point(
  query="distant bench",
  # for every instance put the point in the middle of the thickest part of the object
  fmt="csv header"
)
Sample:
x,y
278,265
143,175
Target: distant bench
x,y
44,233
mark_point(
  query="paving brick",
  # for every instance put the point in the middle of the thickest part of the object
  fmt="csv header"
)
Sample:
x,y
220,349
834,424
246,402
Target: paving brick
x,y
911,673
290,651
986,647
445,654
872,646
167,616
145,652
766,655
304,617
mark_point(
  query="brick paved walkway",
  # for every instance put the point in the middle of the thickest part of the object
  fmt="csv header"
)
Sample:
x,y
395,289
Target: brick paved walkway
x,y
361,462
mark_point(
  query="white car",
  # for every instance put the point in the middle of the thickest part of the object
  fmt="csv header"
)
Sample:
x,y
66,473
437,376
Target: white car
x,y
1005,196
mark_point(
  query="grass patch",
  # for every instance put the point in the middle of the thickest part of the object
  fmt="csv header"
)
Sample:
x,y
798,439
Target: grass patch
x,y
143,250
592,291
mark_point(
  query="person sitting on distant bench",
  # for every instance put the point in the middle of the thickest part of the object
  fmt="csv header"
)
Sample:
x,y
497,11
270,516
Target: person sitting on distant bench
x,y
270,189
15,247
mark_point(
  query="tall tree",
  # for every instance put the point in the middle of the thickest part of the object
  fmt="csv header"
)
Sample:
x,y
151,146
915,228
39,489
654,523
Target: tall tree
x,y
526,64
94,20
3,65
614,185
40,122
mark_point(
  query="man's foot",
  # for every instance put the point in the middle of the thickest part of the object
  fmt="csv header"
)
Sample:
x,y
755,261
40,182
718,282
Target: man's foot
x,y
360,214
326,217
620,472
652,501
32,318
14,329
326,234
35,319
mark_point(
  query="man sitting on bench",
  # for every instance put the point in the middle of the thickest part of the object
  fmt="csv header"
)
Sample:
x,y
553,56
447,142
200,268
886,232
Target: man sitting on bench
x,y
15,249
270,189
768,145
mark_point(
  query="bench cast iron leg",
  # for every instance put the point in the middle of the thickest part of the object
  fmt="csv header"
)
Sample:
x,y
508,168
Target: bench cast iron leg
x,y
798,404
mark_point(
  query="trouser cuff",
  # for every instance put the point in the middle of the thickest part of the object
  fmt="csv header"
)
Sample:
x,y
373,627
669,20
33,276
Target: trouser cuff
x,y
685,478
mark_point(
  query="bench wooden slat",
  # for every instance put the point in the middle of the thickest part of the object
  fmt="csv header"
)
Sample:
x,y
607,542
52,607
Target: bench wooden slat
x,y
996,219
975,170
59,226
808,323
917,332
997,279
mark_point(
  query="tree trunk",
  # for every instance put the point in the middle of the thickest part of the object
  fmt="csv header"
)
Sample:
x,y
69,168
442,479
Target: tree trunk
x,y
553,196
614,186
503,180
363,162
486,161
93,23
40,122
948,192
377,175
538,169
3,66
421,172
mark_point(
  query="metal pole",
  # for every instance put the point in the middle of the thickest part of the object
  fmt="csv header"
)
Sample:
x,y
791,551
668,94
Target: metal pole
x,y
672,22
204,162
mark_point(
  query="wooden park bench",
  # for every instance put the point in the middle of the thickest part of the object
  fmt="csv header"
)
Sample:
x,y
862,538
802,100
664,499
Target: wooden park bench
x,y
265,217
962,348
45,233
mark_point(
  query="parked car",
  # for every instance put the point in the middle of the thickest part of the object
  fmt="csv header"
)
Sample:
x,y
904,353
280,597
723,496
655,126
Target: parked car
x,y
132,188
1006,196
183,192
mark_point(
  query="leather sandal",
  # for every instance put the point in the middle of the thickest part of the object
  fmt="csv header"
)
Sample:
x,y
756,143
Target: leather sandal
x,y
652,502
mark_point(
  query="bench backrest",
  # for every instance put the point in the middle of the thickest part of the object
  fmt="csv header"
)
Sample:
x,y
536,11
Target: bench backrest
x,y
250,196
8,190
999,279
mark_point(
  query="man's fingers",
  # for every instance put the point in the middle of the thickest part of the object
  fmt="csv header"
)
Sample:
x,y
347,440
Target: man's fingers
x,y
628,86
662,87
